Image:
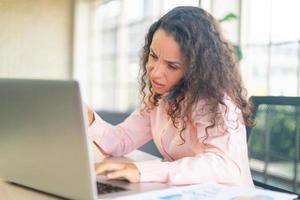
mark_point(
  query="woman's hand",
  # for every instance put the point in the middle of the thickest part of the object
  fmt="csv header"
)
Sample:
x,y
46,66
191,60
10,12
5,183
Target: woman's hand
x,y
118,170
90,115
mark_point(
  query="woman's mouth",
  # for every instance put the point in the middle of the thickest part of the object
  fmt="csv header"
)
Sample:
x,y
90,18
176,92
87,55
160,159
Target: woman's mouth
x,y
157,85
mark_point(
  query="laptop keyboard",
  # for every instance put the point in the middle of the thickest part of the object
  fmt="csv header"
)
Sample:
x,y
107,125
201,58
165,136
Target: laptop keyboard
x,y
104,188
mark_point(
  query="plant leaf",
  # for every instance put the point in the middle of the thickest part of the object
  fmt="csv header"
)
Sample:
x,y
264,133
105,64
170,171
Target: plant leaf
x,y
229,17
238,52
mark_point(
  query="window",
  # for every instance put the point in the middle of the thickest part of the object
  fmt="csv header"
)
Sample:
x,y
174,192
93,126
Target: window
x,y
270,41
270,36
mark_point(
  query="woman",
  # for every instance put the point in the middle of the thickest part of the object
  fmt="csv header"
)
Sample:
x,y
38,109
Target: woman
x,y
193,106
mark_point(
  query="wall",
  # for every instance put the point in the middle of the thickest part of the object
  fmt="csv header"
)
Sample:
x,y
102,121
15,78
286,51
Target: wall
x,y
36,38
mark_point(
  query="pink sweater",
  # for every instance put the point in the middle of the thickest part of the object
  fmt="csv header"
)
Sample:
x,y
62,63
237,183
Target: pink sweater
x,y
222,159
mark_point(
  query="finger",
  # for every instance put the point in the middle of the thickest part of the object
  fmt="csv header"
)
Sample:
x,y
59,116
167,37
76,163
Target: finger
x,y
120,174
105,167
125,173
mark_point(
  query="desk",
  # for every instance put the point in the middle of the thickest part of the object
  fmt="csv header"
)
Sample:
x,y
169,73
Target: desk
x,y
13,192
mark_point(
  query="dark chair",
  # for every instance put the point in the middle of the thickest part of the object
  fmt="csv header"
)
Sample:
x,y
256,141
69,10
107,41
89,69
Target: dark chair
x,y
274,143
116,117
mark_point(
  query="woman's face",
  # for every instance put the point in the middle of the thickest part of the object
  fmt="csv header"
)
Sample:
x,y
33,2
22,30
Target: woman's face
x,y
165,62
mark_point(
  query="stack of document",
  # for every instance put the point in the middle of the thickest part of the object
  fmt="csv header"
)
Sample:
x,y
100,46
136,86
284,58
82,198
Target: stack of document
x,y
211,191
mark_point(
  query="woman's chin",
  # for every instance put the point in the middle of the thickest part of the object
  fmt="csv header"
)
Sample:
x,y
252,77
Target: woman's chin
x,y
158,91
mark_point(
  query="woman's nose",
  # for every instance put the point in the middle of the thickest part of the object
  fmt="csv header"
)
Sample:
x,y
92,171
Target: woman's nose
x,y
157,70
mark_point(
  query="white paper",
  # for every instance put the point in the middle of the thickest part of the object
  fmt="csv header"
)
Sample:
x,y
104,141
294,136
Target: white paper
x,y
210,191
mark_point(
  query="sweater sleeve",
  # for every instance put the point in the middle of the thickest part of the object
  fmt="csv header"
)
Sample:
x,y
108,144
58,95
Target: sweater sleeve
x,y
123,138
220,156
206,167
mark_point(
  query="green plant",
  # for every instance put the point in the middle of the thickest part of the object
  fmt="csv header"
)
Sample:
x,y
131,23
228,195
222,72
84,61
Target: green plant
x,y
280,121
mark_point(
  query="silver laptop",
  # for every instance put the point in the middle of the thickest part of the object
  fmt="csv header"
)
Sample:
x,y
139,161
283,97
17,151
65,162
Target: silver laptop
x,y
43,141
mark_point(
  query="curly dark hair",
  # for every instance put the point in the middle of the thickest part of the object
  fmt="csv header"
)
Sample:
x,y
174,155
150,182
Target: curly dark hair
x,y
212,70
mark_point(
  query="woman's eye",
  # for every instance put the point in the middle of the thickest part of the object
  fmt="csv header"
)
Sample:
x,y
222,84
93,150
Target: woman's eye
x,y
173,67
152,55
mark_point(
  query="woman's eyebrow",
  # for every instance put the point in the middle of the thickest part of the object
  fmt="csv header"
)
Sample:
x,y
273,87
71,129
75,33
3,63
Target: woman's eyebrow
x,y
152,51
174,62
168,61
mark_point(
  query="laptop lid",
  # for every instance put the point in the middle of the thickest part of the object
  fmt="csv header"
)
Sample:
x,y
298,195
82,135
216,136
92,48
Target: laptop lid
x,y
43,144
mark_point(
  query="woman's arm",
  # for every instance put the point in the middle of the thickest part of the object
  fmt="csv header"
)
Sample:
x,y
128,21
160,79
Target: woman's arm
x,y
205,167
208,167
123,138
